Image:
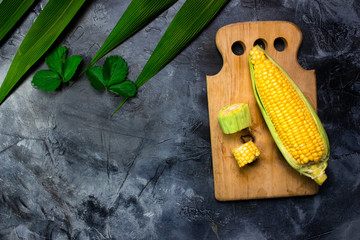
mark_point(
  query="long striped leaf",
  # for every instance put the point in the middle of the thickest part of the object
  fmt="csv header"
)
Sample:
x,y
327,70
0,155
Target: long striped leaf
x,y
136,16
192,17
51,21
10,12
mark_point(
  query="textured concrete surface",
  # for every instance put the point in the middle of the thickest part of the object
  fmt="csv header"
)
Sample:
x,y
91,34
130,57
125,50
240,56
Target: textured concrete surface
x,y
69,171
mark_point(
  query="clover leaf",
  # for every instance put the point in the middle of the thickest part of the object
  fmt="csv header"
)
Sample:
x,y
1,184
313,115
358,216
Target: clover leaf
x,y
61,70
112,76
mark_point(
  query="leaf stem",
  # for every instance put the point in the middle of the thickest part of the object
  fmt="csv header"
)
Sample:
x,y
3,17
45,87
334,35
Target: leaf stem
x,y
78,77
122,103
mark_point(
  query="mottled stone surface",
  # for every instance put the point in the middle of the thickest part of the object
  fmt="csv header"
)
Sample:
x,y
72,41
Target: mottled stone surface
x,y
69,171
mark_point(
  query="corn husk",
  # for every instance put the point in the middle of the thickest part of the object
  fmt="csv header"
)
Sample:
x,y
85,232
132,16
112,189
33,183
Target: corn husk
x,y
316,171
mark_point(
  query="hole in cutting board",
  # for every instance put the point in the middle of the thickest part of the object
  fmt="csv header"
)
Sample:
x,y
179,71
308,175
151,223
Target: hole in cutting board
x,y
280,44
247,138
261,42
238,48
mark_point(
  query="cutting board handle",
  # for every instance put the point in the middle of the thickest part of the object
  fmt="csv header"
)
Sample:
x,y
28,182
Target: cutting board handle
x,y
248,33
232,34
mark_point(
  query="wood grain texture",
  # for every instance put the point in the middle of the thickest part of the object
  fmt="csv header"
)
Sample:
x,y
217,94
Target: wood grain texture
x,y
270,176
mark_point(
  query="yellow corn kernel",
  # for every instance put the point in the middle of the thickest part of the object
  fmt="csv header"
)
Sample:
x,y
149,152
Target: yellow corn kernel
x,y
246,153
288,113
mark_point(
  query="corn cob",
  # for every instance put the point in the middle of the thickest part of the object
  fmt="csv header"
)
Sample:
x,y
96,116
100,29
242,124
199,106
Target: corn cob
x,y
234,118
246,153
291,119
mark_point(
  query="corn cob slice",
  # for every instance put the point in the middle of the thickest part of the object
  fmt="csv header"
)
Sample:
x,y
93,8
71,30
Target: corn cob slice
x,y
292,121
246,153
234,118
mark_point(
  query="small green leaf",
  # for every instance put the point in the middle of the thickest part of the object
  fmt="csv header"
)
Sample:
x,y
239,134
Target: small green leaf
x,y
46,80
115,70
125,89
70,66
95,77
56,59
61,69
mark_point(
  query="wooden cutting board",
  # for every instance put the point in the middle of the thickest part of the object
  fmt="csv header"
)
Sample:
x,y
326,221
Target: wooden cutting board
x,y
270,176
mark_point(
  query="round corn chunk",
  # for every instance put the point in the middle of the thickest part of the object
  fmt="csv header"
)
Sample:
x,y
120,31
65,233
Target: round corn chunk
x,y
246,153
234,118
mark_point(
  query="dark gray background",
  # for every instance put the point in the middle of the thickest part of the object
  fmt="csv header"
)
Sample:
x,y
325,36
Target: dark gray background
x,y
70,171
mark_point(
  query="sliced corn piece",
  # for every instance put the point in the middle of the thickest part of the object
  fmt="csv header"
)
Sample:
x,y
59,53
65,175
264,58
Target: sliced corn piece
x,y
234,118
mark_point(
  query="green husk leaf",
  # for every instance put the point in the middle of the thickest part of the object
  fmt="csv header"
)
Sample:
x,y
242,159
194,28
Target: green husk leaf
x,y
46,80
315,171
51,21
115,70
192,17
135,17
70,66
56,59
10,13
95,77
125,89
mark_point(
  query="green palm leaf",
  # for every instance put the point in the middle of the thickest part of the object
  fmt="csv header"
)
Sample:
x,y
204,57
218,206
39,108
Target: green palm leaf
x,y
192,17
10,12
136,16
51,21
